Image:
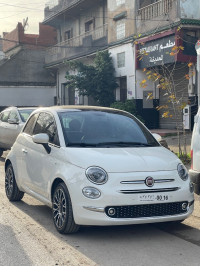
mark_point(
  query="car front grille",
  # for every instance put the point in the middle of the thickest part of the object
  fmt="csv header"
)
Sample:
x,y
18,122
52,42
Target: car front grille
x,y
147,210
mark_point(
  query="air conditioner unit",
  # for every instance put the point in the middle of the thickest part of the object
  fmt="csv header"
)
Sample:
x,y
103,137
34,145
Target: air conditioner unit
x,y
191,88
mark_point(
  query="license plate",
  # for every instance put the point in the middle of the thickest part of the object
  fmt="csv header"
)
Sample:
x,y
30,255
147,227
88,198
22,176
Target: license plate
x,y
153,197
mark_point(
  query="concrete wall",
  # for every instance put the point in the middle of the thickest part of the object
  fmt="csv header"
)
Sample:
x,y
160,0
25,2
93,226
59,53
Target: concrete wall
x,y
27,66
27,96
114,10
128,70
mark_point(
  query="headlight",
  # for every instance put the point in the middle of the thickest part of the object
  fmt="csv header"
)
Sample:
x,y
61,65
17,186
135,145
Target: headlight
x,y
97,175
182,171
91,192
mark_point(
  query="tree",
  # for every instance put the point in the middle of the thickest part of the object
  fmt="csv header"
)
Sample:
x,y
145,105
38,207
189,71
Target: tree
x,y
97,81
163,77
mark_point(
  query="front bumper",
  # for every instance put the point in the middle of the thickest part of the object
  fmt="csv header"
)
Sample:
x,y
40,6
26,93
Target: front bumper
x,y
195,179
90,215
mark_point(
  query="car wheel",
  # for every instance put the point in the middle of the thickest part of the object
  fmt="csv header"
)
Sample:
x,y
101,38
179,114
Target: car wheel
x,y
12,191
1,152
62,211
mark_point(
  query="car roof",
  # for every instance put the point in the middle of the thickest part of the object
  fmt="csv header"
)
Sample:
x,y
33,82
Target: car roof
x,y
63,108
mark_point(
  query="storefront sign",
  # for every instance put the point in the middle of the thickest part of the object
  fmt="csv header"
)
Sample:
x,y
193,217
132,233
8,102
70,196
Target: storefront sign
x,y
156,52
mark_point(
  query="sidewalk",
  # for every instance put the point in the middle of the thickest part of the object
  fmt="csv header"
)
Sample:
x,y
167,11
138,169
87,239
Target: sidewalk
x,y
172,140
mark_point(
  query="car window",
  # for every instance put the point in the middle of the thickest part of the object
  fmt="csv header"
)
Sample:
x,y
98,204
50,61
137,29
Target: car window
x,y
5,116
28,129
25,113
46,124
104,128
13,115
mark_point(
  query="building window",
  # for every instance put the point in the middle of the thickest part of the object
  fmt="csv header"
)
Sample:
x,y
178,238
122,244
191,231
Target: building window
x,y
121,60
120,2
89,25
120,29
68,34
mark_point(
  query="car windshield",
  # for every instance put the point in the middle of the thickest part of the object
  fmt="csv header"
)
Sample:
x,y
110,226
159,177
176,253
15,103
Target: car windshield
x,y
104,129
24,113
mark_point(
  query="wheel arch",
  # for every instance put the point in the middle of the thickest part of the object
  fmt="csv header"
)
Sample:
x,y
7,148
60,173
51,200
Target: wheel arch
x,y
56,181
7,162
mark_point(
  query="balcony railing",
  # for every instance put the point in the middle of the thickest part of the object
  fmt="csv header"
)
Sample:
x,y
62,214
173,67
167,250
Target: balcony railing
x,y
155,10
55,6
65,49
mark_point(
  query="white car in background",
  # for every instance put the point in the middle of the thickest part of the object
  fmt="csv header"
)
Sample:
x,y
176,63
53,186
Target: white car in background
x,y
195,154
12,120
96,166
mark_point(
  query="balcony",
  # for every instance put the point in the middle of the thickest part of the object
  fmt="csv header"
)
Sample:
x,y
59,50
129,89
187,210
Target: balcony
x,y
81,45
156,15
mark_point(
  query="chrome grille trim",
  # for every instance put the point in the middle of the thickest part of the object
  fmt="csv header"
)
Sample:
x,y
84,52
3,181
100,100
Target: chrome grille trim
x,y
139,191
143,181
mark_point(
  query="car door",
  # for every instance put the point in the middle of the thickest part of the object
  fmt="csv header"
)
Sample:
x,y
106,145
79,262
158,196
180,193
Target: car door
x,y
13,128
3,129
40,165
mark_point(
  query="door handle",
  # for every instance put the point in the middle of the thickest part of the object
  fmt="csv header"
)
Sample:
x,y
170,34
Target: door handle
x,y
24,151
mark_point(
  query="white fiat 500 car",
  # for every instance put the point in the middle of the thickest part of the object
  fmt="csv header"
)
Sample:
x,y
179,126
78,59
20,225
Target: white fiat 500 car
x,y
97,166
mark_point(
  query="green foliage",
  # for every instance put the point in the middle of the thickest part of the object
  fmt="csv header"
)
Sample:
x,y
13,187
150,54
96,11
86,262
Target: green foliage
x,y
128,106
185,158
96,80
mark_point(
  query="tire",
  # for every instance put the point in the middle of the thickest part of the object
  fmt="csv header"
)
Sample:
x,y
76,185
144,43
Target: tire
x,y
1,152
62,211
12,191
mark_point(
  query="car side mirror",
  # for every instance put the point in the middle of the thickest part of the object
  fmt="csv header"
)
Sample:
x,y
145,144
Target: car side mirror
x,y
157,137
13,121
42,139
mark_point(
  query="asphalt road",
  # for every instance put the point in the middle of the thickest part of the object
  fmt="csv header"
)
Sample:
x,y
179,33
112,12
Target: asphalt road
x,y
28,237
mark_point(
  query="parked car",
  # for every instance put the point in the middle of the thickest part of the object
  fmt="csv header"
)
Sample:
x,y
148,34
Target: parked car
x,y
12,120
96,166
194,172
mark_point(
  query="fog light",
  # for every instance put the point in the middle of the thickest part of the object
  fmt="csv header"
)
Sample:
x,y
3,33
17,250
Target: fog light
x,y
184,206
191,187
111,211
91,192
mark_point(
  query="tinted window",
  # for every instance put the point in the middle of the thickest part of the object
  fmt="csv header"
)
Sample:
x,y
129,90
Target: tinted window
x,y
25,113
46,124
28,129
100,127
5,116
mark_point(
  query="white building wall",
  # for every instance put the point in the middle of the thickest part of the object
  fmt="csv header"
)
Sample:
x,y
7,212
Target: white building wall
x,y
190,9
151,86
128,70
27,96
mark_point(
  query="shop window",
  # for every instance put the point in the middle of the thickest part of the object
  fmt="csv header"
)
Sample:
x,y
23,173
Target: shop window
x,y
121,60
120,29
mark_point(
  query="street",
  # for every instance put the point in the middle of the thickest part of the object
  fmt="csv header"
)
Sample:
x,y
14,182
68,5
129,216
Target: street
x,y
28,237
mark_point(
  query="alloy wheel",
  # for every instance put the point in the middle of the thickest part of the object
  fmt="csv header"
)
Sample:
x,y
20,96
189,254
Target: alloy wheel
x,y
59,208
9,180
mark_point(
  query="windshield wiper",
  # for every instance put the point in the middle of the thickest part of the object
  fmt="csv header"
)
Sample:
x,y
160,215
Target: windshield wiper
x,y
74,144
125,143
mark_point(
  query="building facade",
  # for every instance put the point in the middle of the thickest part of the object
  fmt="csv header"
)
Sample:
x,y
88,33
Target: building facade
x,y
167,44
23,79
82,30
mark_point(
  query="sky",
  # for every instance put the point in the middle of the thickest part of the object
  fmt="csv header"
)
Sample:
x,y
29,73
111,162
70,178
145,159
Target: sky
x,y
14,11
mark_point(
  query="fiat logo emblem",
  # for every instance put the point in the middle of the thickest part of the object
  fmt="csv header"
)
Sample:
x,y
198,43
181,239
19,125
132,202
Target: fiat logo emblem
x,y
149,181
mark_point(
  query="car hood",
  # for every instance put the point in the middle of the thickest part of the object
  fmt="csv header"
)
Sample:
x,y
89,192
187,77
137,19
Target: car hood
x,y
124,159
